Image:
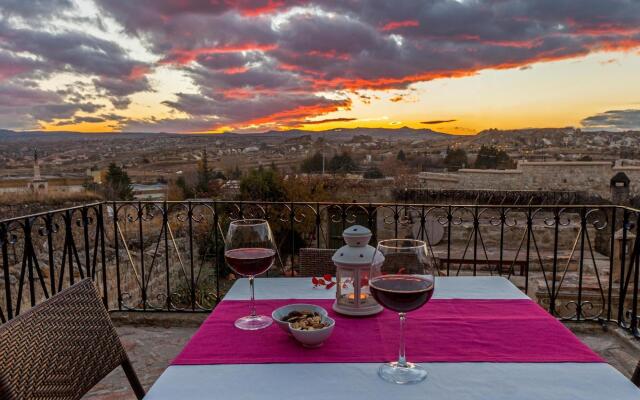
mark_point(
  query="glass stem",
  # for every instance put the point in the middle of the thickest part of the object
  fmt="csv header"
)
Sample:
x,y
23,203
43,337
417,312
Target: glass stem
x,y
402,360
253,297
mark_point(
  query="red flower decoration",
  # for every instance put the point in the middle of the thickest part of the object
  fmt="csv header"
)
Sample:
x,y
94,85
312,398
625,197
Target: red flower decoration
x,y
326,281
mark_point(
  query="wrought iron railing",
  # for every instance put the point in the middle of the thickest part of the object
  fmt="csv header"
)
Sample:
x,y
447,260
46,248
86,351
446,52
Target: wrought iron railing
x,y
581,262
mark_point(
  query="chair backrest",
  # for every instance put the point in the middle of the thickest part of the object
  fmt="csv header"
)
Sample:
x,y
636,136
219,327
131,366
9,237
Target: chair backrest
x,y
635,378
396,262
316,262
61,348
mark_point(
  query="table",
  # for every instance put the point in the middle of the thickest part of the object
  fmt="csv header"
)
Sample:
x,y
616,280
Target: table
x,y
495,381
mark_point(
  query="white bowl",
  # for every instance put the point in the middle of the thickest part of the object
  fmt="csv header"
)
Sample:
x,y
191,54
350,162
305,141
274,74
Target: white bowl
x,y
316,337
279,313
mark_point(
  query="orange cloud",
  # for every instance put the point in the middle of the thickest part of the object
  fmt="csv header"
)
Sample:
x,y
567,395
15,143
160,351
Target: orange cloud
x,y
268,8
242,93
138,71
238,93
620,45
386,83
235,70
393,25
296,68
330,54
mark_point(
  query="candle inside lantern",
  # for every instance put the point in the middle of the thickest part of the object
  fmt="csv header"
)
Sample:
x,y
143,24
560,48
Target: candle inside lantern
x,y
352,296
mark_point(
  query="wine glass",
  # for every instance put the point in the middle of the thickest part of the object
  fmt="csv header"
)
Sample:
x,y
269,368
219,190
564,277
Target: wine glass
x,y
404,282
249,250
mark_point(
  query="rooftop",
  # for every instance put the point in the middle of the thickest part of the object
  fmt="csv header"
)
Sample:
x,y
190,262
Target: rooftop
x,y
159,273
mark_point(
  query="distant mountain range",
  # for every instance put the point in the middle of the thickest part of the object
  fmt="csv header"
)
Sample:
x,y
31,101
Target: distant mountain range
x,y
491,136
401,133
404,132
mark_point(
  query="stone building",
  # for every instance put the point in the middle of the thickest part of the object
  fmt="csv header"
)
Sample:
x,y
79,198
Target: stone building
x,y
591,176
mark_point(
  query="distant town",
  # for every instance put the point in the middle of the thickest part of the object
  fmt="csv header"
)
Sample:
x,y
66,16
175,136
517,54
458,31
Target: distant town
x,y
163,166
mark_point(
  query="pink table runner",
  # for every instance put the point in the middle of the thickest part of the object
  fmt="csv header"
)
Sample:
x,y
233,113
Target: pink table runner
x,y
443,331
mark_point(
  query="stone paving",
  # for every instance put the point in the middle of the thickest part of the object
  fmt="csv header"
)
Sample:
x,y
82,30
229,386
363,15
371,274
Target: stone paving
x,y
151,349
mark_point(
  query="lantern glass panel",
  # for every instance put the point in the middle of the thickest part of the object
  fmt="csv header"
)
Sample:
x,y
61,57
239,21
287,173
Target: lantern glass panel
x,y
365,295
346,288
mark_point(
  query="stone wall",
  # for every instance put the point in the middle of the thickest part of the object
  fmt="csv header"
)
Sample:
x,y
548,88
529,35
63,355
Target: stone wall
x,y
589,176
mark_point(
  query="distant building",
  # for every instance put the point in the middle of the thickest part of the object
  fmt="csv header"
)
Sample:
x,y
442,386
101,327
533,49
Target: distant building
x,y
42,184
591,176
153,192
230,189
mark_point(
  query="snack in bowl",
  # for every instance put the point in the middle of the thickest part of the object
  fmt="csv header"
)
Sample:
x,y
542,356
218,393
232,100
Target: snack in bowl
x,y
312,333
296,312
306,321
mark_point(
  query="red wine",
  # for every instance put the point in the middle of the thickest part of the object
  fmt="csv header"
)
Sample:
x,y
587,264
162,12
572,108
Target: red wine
x,y
401,293
250,261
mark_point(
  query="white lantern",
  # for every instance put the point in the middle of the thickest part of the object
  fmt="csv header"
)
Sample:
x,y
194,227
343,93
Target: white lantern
x,y
353,263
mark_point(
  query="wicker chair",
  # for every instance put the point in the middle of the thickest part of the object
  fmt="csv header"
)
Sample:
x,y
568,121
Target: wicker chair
x,y
61,348
636,376
397,261
316,262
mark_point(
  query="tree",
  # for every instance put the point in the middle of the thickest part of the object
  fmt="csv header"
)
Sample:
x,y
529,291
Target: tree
x,y
117,185
312,164
373,173
342,163
204,174
455,159
401,156
309,189
235,174
490,157
262,185
187,191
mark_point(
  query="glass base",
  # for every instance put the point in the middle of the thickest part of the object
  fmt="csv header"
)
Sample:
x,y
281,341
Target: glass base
x,y
253,322
411,373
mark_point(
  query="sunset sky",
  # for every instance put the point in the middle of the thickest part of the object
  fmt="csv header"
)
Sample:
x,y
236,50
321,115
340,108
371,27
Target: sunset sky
x,y
457,66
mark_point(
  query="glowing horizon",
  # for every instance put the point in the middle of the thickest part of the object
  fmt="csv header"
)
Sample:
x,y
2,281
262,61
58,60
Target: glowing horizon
x,y
186,66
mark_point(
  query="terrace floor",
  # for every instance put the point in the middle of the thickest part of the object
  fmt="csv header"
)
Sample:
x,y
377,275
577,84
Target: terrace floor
x,y
153,341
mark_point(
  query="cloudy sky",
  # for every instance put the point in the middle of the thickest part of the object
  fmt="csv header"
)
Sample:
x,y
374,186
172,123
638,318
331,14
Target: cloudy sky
x,y
457,66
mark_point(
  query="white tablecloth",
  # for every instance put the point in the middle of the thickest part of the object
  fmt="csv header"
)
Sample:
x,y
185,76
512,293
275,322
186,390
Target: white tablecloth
x,y
491,381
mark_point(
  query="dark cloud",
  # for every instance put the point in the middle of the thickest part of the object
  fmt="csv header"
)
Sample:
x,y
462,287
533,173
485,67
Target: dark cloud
x,y
23,105
77,120
437,121
113,117
169,125
28,55
79,52
34,8
326,120
254,64
11,65
614,120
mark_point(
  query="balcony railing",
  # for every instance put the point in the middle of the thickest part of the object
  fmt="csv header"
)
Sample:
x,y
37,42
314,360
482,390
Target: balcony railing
x,y
580,262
